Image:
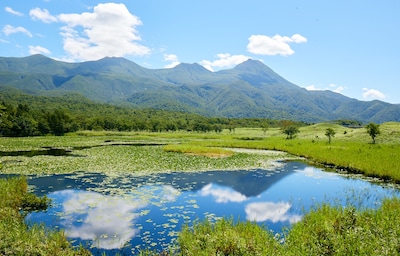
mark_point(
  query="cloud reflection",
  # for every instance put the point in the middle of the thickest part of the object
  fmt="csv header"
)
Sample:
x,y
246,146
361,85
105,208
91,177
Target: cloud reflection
x,y
269,211
107,220
317,173
222,194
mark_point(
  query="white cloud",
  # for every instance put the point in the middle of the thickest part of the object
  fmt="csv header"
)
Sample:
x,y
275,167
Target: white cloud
x,y
331,87
8,30
312,88
38,50
270,211
276,45
225,60
373,94
171,58
10,10
222,194
339,89
42,15
318,174
110,30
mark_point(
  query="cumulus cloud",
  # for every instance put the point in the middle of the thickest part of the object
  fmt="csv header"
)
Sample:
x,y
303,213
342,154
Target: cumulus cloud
x,y
110,30
225,60
42,15
373,94
8,30
331,87
276,45
339,89
312,88
10,10
336,88
171,58
38,50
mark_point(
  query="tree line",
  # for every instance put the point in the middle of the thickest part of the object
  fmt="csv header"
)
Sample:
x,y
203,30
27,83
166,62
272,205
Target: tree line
x,y
46,115
27,115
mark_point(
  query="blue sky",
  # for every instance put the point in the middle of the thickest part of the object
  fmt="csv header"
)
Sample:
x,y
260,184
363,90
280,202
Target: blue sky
x,y
351,47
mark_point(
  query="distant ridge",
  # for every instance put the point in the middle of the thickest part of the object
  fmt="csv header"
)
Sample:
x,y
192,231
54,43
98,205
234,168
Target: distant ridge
x,y
251,89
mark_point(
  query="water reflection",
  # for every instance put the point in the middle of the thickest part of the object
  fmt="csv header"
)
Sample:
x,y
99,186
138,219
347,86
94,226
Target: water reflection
x,y
270,211
124,214
106,220
222,194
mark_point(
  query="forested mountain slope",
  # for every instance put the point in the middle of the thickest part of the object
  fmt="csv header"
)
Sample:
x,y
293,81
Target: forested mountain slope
x,y
251,89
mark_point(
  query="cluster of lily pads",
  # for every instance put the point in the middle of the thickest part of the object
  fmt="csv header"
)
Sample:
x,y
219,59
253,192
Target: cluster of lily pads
x,y
119,159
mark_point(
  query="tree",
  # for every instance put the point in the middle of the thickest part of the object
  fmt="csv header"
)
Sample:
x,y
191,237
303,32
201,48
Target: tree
x,y
290,131
373,131
264,127
330,133
59,122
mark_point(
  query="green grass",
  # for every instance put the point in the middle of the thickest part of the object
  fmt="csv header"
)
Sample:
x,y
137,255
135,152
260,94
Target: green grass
x,y
15,236
226,238
326,230
345,231
198,150
350,149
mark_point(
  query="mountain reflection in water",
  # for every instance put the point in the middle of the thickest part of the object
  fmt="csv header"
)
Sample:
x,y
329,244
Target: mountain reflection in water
x,y
124,214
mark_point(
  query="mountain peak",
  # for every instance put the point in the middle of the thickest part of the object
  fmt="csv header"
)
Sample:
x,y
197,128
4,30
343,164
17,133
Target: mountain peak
x,y
252,66
191,67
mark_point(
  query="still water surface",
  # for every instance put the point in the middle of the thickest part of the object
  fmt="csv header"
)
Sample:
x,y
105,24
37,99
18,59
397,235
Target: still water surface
x,y
124,214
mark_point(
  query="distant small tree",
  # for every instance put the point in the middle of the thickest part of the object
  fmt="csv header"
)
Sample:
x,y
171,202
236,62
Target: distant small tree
x,y
330,133
264,128
373,131
290,131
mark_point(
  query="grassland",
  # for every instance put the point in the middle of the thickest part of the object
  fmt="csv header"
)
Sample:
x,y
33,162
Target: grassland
x,y
326,231
350,150
15,237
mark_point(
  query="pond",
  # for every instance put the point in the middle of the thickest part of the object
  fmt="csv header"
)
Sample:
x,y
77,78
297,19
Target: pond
x,y
122,215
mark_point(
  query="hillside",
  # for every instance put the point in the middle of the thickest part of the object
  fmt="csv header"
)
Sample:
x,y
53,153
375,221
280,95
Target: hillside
x,y
251,89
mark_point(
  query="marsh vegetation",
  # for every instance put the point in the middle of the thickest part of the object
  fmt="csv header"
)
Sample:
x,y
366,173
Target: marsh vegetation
x,y
115,154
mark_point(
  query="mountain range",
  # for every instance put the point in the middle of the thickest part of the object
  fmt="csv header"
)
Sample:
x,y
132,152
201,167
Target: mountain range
x,y
251,89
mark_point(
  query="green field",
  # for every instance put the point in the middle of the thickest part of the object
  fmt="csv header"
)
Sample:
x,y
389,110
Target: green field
x,y
325,231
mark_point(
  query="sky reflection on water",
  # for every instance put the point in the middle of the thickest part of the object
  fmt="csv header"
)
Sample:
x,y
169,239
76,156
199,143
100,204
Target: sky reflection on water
x,y
123,214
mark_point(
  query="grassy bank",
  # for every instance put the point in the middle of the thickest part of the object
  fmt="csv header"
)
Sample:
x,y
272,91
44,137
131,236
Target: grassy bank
x,y
326,230
15,236
350,150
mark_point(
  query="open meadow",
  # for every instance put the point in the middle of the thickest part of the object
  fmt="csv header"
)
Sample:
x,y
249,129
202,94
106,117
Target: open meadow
x,y
325,231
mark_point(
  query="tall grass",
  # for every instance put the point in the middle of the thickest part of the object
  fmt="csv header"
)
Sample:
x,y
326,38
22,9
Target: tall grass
x,y
326,230
226,238
346,231
350,149
16,238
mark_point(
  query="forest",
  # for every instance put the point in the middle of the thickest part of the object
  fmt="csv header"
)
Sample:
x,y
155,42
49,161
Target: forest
x,y
27,115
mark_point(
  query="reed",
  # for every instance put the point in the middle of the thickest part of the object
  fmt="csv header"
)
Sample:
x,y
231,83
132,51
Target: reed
x,y
16,238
